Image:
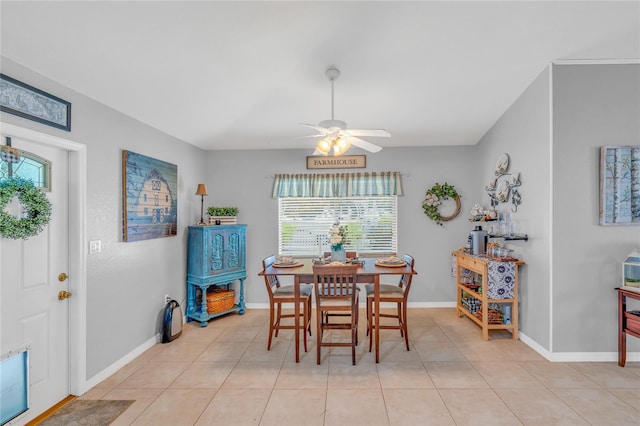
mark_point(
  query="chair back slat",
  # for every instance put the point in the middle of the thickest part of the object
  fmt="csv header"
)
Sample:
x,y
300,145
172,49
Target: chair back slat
x,y
335,282
271,281
405,279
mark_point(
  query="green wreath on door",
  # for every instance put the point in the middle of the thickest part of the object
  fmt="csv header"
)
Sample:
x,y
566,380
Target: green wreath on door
x,y
37,209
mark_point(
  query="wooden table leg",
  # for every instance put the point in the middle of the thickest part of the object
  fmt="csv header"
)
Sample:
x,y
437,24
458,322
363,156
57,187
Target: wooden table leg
x,y
376,309
296,311
622,336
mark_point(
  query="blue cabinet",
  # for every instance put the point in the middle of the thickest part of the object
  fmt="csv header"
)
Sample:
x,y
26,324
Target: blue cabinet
x,y
216,259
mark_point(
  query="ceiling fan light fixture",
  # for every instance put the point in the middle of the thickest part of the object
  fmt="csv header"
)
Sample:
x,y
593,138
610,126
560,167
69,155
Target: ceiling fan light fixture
x,y
324,146
336,136
341,145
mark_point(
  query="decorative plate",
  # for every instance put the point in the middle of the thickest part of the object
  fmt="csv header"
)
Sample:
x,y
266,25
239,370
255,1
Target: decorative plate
x,y
391,265
286,264
502,164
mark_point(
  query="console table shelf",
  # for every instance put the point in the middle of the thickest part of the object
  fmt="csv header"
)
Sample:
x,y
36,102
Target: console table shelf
x,y
486,290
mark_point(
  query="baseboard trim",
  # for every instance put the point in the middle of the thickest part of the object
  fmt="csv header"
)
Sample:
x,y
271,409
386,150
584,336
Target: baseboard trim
x,y
95,380
409,305
576,356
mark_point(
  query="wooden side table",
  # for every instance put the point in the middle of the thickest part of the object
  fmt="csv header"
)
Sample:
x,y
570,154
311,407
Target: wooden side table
x,y
628,323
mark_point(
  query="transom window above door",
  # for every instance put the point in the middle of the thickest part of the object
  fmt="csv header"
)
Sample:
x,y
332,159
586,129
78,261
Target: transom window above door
x,y
31,167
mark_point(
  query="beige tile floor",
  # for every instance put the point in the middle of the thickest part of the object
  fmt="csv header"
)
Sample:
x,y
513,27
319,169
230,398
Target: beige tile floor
x,y
224,375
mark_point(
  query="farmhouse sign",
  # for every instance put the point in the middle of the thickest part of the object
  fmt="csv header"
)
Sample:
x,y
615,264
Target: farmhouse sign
x,y
341,162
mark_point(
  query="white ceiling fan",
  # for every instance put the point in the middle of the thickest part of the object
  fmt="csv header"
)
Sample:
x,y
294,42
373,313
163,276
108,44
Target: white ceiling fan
x,y
336,136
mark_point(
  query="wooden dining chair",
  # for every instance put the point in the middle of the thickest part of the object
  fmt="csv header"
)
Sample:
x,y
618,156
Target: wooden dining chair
x,y
336,291
394,294
278,295
350,255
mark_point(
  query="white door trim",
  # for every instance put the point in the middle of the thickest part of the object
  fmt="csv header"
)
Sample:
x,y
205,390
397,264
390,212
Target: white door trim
x,y
77,250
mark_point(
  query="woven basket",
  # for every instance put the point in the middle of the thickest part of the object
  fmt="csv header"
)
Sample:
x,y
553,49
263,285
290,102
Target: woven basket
x,y
220,300
495,316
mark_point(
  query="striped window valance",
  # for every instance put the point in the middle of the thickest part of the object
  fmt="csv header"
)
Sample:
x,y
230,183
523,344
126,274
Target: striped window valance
x,y
337,184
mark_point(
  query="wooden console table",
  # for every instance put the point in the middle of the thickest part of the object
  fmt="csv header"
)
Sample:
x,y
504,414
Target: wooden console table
x,y
488,285
628,323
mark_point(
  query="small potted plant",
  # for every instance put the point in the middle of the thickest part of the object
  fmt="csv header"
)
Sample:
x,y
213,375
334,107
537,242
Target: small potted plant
x,y
222,215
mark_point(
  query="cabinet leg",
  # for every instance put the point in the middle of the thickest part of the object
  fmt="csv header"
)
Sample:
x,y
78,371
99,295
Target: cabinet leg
x,y
241,300
203,323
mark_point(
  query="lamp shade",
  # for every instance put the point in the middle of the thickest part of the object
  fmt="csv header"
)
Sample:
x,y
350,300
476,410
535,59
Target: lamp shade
x,y
202,189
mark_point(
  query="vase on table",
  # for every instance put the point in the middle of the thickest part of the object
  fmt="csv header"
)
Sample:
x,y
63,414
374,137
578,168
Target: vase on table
x,y
338,254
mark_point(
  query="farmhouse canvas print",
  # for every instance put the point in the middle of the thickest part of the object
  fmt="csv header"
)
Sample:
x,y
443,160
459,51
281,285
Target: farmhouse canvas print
x,y
150,197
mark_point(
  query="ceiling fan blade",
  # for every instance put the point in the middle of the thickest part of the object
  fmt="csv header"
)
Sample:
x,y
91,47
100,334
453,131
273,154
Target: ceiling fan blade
x,y
368,146
380,133
322,130
311,136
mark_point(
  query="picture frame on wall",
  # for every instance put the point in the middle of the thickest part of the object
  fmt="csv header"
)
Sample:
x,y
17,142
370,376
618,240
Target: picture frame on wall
x,y
28,102
620,185
150,197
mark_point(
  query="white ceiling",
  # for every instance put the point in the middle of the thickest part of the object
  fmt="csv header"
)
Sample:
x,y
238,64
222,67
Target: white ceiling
x,y
242,75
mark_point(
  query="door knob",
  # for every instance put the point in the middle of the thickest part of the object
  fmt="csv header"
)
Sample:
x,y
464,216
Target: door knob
x,y
62,294
62,277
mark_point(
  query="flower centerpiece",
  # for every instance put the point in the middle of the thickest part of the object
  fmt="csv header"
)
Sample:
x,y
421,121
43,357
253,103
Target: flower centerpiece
x,y
337,238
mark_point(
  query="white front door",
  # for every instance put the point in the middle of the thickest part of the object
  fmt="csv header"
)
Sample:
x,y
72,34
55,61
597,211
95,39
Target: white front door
x,y
31,313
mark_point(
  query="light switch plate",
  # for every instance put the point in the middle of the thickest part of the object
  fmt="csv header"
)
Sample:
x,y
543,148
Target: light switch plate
x,y
95,246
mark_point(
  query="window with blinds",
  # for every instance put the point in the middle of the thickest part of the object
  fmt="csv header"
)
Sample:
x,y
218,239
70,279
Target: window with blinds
x,y
303,224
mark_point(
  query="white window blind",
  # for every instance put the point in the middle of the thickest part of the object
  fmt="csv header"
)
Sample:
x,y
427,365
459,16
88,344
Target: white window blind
x,y
303,224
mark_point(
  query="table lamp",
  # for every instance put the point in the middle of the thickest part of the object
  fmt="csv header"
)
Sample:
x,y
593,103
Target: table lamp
x,y
201,191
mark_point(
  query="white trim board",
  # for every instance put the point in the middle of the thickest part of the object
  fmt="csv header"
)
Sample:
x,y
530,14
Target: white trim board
x,y
629,61
362,305
576,356
113,368
77,252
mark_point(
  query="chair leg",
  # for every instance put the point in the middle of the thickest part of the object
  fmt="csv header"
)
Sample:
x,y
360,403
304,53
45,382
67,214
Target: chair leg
x,y
370,321
357,317
354,342
278,317
367,315
404,324
271,318
319,315
400,321
309,307
305,315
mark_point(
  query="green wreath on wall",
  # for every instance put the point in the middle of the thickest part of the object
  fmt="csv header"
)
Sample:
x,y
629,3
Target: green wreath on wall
x,y
37,209
434,198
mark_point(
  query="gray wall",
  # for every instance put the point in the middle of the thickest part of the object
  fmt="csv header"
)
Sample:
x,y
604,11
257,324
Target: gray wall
x,y
245,179
567,300
523,133
593,106
126,282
